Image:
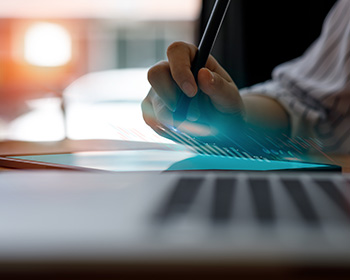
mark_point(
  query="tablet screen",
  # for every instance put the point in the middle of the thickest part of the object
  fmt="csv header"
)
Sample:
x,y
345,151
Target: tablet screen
x,y
163,160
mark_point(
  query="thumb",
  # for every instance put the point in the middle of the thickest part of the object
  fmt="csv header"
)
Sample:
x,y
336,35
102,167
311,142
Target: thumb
x,y
223,93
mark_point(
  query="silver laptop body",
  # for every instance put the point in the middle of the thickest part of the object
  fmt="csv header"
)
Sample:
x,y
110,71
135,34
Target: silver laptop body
x,y
154,219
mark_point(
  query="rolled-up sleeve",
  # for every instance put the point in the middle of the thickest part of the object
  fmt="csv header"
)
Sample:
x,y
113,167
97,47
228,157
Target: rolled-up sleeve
x,y
315,88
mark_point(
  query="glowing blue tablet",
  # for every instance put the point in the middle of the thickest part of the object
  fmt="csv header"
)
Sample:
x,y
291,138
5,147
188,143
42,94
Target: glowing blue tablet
x,y
163,160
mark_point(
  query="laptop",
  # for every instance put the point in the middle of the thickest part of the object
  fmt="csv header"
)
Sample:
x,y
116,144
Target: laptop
x,y
199,223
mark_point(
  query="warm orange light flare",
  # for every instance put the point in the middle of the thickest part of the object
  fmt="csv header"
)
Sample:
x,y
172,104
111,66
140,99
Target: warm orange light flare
x,y
47,44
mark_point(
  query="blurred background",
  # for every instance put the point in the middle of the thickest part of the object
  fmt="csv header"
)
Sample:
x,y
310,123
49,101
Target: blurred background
x,y
78,68
45,45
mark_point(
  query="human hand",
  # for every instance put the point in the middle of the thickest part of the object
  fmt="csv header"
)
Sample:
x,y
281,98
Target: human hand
x,y
218,110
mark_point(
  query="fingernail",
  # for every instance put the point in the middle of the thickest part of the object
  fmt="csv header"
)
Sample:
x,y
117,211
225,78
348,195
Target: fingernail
x,y
212,79
189,89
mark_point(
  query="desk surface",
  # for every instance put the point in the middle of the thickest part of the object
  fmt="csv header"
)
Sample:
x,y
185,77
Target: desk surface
x,y
67,146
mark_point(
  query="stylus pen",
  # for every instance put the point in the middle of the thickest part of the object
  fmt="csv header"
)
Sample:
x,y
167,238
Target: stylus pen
x,y
205,46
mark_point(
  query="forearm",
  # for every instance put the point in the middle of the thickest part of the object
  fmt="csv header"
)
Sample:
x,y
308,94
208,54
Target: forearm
x,y
266,113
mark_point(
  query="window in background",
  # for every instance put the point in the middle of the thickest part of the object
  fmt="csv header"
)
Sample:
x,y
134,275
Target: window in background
x,y
116,32
139,37
145,44
100,35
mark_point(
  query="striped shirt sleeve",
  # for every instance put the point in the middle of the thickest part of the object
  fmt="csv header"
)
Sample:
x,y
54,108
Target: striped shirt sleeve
x,y
315,88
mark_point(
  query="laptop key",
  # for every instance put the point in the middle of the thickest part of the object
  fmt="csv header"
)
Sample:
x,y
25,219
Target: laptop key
x,y
301,200
181,198
330,189
262,200
221,208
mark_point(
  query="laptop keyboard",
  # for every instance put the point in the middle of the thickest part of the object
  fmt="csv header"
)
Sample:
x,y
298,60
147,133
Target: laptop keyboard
x,y
263,199
301,200
181,198
222,199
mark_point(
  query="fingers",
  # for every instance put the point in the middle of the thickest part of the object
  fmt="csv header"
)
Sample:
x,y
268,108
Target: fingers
x,y
214,66
149,115
222,91
155,114
161,81
180,56
165,77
